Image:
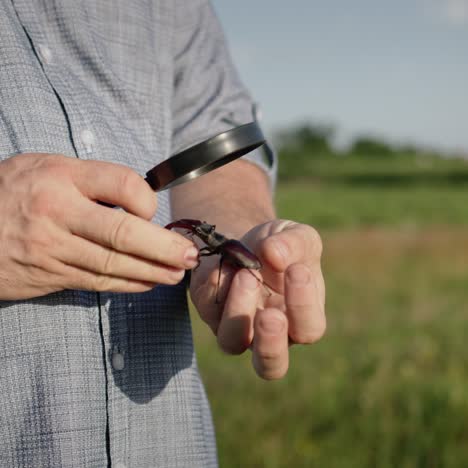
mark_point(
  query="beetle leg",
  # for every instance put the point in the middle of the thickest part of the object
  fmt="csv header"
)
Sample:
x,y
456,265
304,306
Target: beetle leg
x,y
217,301
266,286
204,252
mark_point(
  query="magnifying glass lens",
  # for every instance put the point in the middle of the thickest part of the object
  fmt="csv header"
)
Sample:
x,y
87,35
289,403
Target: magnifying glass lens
x,y
206,156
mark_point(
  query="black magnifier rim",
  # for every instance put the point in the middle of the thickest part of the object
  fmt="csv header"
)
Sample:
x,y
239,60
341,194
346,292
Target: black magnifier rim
x,y
206,156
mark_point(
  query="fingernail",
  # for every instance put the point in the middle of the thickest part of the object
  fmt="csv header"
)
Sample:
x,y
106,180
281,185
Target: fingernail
x,y
271,324
247,279
299,274
191,257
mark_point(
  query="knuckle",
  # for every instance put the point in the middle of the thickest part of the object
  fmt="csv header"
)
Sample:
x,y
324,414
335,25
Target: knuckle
x,y
43,203
55,163
268,244
36,258
52,168
268,356
121,232
35,243
101,283
22,251
269,370
26,253
129,182
108,261
45,194
47,159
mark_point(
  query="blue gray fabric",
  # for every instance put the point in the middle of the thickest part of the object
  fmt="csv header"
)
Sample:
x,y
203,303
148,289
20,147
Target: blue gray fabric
x,y
97,380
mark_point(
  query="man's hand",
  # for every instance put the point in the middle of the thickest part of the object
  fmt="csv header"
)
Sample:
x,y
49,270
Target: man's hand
x,y
54,236
247,316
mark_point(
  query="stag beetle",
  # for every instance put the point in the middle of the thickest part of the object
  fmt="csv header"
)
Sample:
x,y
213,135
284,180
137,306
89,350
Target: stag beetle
x,y
231,251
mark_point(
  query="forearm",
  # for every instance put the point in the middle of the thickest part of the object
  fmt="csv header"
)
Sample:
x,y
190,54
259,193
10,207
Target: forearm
x,y
235,198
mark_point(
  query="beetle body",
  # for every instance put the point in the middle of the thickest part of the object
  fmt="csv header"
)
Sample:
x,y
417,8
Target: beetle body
x,y
238,255
231,251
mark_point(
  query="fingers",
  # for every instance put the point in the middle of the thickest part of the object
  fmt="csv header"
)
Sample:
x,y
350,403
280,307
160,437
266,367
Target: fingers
x,y
243,322
115,184
209,295
304,305
102,249
77,278
132,235
294,311
294,255
270,356
235,331
94,258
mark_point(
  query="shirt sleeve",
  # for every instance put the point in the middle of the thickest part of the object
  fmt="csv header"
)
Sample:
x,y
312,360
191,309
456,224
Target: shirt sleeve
x,y
208,96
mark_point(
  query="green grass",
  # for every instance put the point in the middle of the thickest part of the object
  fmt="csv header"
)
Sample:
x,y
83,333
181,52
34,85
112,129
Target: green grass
x,y
337,206
388,385
398,169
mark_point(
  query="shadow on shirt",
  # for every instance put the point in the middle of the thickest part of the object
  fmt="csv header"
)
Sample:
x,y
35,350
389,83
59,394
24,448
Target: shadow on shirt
x,y
152,334
66,335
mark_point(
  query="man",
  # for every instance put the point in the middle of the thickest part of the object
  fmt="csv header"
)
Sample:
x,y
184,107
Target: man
x,y
97,359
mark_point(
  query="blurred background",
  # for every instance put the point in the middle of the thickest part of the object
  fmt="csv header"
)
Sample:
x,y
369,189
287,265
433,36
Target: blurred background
x,y
367,105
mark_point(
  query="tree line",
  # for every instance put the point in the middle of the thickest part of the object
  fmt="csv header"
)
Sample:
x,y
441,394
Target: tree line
x,y
308,151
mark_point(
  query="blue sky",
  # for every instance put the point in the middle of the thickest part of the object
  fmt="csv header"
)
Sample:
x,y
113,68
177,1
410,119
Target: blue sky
x,y
396,69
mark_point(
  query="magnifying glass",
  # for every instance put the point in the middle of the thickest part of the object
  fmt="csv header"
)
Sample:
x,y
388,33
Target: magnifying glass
x,y
204,157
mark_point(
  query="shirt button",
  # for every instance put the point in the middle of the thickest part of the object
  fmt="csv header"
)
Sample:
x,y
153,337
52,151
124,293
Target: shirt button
x,y
87,138
45,53
118,362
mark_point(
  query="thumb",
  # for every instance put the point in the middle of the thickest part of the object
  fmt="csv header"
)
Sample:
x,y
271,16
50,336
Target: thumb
x,y
115,184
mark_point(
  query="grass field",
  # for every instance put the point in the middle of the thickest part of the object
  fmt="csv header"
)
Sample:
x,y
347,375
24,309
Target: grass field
x,y
338,206
388,385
